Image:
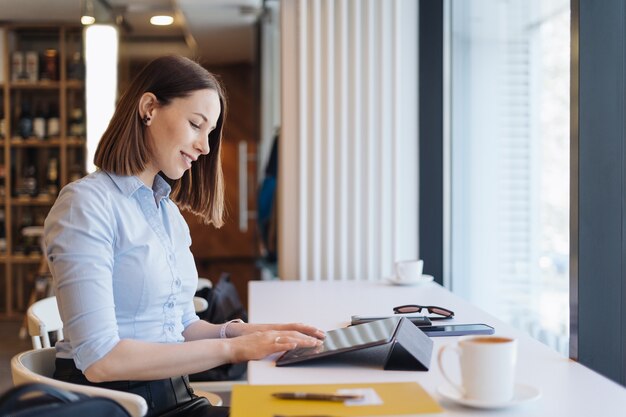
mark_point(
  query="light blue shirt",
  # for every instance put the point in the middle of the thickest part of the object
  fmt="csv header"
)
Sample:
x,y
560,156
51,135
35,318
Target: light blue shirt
x,y
119,255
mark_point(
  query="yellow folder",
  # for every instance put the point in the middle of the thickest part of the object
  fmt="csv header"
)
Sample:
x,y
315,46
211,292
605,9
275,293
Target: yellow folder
x,y
398,399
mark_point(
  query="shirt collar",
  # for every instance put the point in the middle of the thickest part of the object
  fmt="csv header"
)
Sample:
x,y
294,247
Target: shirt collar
x,y
160,188
129,184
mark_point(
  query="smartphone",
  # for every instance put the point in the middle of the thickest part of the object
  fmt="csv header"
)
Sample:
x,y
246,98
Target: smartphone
x,y
417,320
457,329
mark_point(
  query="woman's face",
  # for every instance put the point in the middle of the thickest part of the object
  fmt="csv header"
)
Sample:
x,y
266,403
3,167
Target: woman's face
x,y
180,133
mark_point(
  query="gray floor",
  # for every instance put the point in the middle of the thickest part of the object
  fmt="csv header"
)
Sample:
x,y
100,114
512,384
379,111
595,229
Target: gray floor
x,y
10,344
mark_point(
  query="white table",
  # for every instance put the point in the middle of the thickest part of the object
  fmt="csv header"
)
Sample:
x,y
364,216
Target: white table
x,y
568,388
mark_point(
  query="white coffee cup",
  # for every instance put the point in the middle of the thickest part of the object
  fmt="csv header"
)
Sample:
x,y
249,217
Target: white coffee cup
x,y
409,270
487,367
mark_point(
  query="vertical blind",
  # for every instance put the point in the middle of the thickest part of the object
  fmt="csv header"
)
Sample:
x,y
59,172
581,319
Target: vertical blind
x,y
509,115
519,163
349,146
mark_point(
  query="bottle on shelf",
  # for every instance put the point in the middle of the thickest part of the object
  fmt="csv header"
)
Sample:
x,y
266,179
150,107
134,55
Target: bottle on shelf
x,y
50,65
52,177
30,235
3,235
29,181
31,65
3,177
2,122
52,122
25,122
76,123
75,68
39,123
18,68
24,243
76,173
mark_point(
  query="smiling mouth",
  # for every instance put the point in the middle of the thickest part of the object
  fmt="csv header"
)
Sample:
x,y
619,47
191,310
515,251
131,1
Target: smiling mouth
x,y
187,158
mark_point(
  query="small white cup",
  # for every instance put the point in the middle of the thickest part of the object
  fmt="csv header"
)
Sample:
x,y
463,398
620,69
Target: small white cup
x,y
487,367
409,270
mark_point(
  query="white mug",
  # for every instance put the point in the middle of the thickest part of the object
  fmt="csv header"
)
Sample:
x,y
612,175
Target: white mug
x,y
409,270
487,367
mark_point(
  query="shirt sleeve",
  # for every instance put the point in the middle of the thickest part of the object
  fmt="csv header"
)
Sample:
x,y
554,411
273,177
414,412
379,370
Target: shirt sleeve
x,y
79,237
189,314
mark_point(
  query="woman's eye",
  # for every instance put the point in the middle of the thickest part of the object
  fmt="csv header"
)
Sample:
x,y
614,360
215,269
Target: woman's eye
x,y
195,126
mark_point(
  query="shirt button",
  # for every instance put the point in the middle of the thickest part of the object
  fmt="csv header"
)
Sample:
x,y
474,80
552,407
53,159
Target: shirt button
x,y
169,327
177,282
169,305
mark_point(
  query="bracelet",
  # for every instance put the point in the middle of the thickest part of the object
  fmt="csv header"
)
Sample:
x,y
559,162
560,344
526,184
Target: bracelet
x,y
225,326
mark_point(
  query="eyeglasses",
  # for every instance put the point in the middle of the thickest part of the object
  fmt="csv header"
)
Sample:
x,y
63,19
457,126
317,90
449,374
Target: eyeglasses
x,y
414,308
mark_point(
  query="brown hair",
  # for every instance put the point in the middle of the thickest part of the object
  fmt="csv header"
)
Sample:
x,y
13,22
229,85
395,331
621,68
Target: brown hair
x,y
123,149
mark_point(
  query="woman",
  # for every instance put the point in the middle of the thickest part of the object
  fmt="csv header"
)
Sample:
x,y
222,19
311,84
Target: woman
x,y
118,248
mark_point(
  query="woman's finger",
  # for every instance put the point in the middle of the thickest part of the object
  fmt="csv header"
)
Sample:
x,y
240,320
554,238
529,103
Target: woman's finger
x,y
297,338
306,329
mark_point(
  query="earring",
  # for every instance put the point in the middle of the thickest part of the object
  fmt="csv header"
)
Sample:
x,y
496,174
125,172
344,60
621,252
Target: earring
x,y
145,120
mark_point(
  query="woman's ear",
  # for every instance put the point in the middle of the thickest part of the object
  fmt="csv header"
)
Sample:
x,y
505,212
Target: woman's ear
x,y
147,103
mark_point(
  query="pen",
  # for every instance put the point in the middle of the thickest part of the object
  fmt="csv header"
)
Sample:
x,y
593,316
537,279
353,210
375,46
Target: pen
x,y
304,415
315,396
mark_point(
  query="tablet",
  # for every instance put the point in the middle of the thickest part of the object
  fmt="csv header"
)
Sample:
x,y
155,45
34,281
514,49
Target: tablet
x,y
346,339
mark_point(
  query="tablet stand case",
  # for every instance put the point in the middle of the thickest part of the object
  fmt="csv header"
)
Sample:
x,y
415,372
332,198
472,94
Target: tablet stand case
x,y
410,349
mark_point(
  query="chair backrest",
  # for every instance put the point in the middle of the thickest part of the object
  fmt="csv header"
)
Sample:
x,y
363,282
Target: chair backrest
x,y
204,283
200,304
43,317
37,365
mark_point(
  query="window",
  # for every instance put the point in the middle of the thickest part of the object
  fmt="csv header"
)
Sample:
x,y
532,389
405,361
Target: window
x,y
509,158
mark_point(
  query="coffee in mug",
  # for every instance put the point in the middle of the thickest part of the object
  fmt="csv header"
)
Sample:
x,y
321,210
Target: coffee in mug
x,y
487,367
409,270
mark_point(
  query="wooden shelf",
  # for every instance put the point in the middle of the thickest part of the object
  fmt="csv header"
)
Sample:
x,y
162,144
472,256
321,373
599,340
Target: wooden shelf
x,y
26,259
39,85
18,142
44,200
75,141
75,84
35,142
18,155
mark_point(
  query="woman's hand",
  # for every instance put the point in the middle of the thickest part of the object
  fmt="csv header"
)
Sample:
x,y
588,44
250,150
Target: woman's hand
x,y
259,344
256,341
240,329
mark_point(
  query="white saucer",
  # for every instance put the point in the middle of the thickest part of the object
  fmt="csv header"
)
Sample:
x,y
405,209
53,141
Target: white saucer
x,y
421,280
523,393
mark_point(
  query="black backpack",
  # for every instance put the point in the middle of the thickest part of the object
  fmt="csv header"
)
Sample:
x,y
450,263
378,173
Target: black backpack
x,y
224,305
54,402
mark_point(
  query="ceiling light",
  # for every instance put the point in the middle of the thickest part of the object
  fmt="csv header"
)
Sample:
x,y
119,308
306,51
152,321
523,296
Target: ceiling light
x,y
87,20
161,20
87,17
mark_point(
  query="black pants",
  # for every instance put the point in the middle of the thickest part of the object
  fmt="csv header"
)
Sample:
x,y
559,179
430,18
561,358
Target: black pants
x,y
165,397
